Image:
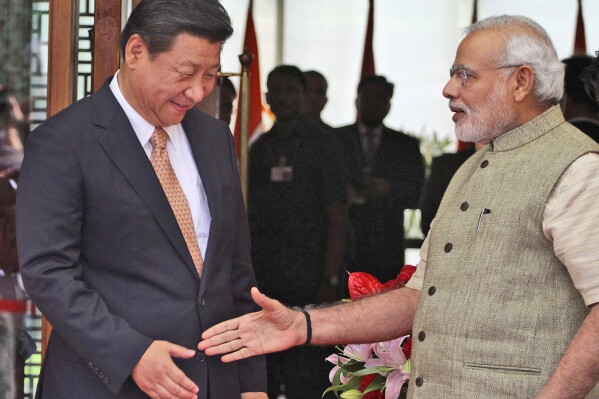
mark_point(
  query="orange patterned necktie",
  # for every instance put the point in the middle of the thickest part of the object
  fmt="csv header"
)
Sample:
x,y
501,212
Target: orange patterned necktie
x,y
174,194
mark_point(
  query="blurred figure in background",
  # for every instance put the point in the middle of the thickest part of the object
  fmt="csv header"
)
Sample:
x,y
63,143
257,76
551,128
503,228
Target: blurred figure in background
x,y
580,109
388,172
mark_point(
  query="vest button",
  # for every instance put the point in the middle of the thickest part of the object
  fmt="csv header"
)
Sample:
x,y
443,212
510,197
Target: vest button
x,y
419,381
464,206
432,290
448,247
421,336
484,164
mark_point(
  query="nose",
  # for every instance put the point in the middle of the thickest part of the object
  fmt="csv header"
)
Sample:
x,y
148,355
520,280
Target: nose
x,y
451,88
197,91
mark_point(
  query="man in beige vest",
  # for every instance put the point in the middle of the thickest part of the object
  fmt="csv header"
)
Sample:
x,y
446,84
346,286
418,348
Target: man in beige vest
x,y
502,303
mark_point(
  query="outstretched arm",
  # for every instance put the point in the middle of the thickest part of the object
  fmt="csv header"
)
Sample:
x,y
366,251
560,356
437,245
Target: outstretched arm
x,y
276,328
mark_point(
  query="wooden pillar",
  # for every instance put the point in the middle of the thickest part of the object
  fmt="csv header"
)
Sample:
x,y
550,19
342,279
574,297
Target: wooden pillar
x,y
107,31
62,58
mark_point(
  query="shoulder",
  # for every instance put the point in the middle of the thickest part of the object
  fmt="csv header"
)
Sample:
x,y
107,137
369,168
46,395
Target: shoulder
x,y
400,137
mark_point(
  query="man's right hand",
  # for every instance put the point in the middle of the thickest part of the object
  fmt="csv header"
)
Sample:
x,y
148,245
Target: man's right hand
x,y
274,328
157,375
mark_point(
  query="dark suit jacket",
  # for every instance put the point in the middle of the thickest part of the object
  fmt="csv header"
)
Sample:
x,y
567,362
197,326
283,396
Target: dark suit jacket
x,y
378,224
589,126
103,258
443,168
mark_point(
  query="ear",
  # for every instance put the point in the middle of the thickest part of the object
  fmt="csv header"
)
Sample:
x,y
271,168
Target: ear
x,y
524,82
135,50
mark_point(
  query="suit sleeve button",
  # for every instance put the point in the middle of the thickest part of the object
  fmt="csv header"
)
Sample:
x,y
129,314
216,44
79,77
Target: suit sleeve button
x,y
200,357
106,380
202,301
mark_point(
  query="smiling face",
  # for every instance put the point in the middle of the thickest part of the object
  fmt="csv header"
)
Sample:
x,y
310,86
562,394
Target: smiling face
x,y
163,87
482,107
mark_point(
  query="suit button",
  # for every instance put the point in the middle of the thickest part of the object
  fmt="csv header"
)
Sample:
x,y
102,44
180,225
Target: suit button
x,y
421,336
101,374
96,370
200,357
201,301
432,290
448,247
484,164
464,206
90,365
419,381
106,380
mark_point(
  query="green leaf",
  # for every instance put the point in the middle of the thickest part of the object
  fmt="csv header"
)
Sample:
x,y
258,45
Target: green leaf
x,y
376,385
372,370
407,366
352,366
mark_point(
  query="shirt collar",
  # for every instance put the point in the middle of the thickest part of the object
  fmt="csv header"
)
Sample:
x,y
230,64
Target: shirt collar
x,y
530,131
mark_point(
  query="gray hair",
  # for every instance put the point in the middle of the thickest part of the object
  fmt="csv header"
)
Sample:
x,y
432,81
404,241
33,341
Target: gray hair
x,y
526,42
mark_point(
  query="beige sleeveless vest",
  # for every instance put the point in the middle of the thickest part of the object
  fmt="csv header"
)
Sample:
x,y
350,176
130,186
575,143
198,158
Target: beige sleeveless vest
x,y
498,309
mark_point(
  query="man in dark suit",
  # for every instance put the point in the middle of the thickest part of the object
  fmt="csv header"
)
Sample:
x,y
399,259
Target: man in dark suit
x,y
388,171
580,109
104,239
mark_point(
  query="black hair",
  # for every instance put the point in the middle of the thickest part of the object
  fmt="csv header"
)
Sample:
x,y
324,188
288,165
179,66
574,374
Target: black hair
x,y
226,82
376,80
590,77
159,22
290,70
574,86
319,76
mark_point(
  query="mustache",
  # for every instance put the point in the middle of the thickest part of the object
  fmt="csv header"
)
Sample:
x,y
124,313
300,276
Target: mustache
x,y
455,107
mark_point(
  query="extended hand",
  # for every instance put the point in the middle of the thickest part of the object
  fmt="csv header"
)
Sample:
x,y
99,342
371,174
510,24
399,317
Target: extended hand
x,y
157,375
274,328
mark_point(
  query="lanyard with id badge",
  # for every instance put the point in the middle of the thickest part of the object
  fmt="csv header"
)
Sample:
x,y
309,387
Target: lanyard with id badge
x,y
282,172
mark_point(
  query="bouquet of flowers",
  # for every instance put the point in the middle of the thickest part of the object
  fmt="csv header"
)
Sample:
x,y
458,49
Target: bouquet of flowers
x,y
372,371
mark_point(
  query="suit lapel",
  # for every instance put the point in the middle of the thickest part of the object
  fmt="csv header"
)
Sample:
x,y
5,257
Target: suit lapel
x,y
122,146
202,149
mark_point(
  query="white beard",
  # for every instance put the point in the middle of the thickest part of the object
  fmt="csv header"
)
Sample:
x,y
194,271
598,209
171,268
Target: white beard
x,y
485,122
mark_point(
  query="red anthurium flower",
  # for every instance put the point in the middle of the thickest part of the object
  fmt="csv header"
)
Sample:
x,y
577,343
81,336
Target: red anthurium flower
x,y
406,274
361,284
366,380
407,347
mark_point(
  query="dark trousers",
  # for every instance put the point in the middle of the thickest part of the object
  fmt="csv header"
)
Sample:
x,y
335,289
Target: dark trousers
x,y
302,371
